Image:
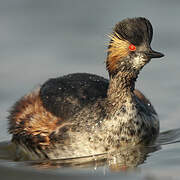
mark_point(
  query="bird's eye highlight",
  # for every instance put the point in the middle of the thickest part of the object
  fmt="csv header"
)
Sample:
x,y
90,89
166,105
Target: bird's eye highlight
x,y
132,47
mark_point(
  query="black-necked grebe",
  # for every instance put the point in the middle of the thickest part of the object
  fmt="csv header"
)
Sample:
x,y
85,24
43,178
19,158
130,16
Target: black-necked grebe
x,y
84,114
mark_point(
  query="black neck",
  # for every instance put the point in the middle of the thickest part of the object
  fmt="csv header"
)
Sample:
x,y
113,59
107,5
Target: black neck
x,y
121,85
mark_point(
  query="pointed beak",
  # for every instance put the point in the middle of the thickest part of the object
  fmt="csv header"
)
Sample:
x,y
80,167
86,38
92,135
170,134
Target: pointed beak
x,y
153,54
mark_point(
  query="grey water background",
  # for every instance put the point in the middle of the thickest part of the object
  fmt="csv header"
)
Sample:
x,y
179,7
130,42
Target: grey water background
x,y
41,39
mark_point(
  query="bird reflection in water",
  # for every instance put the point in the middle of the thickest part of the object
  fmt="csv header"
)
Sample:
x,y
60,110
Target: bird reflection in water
x,y
121,160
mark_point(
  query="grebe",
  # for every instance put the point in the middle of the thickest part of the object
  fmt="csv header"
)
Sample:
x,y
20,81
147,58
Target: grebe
x,y
83,114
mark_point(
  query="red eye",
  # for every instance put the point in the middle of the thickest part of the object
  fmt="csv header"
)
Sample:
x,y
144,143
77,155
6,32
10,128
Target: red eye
x,y
132,47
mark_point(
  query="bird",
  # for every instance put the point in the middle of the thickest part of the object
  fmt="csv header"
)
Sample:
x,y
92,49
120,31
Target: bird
x,y
83,114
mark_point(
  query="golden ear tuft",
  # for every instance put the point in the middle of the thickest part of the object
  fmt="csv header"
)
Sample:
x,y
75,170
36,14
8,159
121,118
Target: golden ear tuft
x,y
118,48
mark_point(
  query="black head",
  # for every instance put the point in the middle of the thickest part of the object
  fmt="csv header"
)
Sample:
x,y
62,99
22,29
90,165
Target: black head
x,y
130,45
136,30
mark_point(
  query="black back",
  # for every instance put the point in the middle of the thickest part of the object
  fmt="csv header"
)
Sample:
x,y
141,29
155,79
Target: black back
x,y
66,95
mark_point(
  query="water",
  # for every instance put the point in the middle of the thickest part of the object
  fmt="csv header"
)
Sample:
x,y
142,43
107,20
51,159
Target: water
x,y
42,39
133,162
